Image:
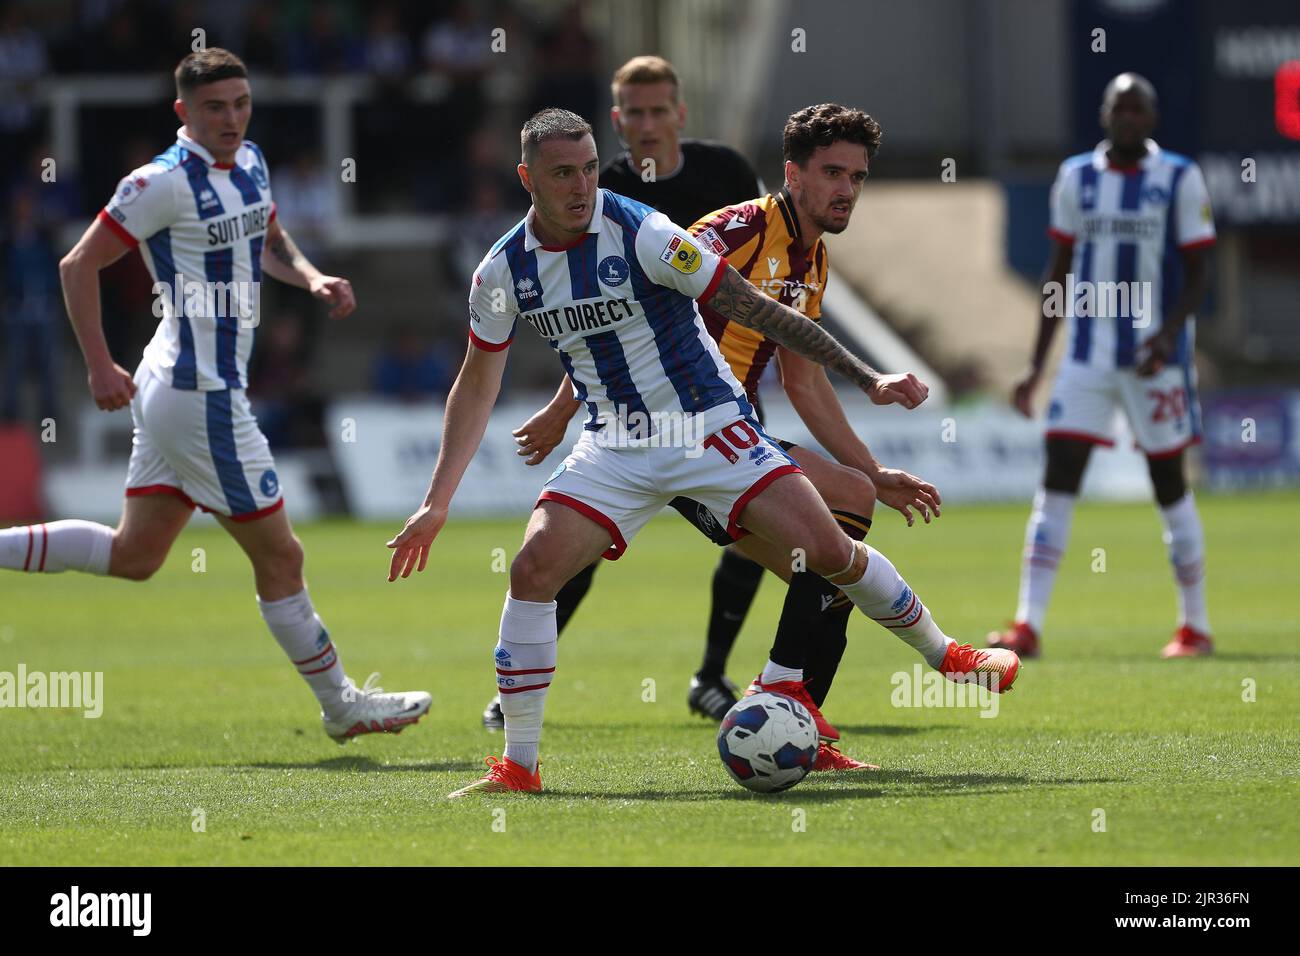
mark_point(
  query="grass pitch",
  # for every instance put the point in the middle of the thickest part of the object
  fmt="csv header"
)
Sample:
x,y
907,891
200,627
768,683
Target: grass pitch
x,y
210,751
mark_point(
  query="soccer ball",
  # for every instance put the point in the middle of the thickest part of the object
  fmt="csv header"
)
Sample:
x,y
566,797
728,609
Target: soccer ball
x,y
768,742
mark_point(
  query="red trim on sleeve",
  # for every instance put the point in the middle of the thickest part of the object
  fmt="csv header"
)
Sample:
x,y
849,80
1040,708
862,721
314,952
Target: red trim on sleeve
x,y
617,544
733,520
1081,436
1064,238
487,346
117,228
1200,243
274,209
716,281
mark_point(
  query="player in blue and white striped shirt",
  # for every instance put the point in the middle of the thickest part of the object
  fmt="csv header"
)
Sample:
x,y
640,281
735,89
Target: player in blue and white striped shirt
x,y
1131,224
611,285
202,217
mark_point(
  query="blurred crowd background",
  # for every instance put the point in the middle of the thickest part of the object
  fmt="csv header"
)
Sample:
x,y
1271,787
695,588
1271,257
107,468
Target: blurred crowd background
x,y
424,100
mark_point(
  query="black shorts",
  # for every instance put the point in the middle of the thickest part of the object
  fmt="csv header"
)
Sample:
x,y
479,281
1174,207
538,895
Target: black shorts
x,y
700,516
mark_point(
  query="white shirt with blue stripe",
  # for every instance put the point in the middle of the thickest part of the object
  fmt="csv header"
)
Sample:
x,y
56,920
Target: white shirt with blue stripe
x,y
205,222
618,306
1128,225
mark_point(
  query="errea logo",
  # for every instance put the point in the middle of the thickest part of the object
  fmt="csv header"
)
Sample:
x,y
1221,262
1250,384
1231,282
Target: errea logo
x,y
527,288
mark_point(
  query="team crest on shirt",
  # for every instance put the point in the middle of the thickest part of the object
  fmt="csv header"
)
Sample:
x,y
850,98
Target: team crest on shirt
x,y
1155,194
613,270
681,255
269,484
259,177
710,239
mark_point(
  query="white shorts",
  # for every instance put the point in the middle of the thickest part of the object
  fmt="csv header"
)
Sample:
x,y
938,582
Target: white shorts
x,y
622,488
202,447
1162,410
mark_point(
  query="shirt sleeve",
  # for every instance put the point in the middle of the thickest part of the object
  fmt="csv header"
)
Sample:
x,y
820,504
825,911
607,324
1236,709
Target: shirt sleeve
x,y
144,204
1065,215
493,309
1194,222
672,257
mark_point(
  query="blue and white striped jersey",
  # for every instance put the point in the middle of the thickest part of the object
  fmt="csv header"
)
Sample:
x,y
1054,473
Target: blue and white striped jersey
x,y
200,224
1128,227
618,305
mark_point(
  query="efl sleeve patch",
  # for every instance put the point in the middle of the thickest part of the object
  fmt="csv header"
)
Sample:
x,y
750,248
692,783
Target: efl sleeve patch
x,y
681,255
710,239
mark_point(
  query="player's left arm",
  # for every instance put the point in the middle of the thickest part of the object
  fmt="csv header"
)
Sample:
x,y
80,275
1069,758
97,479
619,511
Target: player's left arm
x,y
1193,223
744,304
1160,348
283,260
813,397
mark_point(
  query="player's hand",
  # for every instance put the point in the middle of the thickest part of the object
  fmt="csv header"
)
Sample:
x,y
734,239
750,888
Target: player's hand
x,y
538,436
1022,396
112,387
411,545
904,389
1159,350
903,492
337,292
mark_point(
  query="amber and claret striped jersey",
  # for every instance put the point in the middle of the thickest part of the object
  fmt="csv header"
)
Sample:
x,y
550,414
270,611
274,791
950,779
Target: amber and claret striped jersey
x,y
762,240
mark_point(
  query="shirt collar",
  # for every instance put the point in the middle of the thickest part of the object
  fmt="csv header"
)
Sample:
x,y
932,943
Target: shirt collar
x,y
199,151
1101,162
531,241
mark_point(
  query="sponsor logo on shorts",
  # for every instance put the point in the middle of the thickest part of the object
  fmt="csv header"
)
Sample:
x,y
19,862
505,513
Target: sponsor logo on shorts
x,y
759,455
269,484
613,270
707,521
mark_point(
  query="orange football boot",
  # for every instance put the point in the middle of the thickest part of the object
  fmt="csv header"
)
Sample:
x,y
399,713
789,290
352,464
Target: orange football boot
x,y
830,757
503,776
1188,642
963,664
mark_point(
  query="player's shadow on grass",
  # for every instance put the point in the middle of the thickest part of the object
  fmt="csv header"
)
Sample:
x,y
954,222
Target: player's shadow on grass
x,y
856,786
355,763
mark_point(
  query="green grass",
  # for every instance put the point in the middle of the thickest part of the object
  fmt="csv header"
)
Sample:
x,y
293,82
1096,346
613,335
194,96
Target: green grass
x,y
202,712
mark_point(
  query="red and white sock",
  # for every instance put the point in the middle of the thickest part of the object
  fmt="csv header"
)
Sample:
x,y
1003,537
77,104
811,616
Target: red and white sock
x,y
297,628
71,545
882,595
1046,537
525,665
1186,543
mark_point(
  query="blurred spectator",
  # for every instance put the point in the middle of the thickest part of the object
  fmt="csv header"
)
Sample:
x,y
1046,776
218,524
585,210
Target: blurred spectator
x,y
410,369
23,60
388,49
489,216
279,387
261,46
306,202
567,63
327,42
32,298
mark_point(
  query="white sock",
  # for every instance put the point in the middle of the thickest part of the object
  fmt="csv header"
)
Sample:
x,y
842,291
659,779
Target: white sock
x,y
72,545
525,664
777,673
1186,543
299,631
1046,536
882,595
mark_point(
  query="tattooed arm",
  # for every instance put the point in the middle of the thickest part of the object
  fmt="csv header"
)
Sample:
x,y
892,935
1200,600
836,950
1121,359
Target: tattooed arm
x,y
283,260
741,302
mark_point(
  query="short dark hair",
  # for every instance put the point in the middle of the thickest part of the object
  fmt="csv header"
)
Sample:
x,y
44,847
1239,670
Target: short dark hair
x,y
548,124
207,66
816,126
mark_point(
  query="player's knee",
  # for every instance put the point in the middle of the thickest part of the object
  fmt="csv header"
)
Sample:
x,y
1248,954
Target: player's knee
x,y
830,554
134,558
855,493
531,577
1167,479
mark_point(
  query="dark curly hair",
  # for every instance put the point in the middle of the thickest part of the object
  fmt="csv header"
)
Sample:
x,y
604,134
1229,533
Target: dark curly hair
x,y
816,126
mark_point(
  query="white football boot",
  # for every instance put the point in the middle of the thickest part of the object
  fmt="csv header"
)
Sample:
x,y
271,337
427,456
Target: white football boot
x,y
371,711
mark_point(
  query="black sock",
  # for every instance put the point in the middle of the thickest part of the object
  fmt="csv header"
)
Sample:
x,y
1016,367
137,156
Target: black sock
x,y
735,582
571,595
803,605
830,631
